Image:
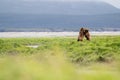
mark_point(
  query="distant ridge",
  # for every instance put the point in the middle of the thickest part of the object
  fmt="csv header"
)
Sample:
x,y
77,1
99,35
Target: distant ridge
x,y
104,22
58,16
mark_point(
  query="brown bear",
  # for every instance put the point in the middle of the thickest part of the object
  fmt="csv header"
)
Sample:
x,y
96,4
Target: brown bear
x,y
84,33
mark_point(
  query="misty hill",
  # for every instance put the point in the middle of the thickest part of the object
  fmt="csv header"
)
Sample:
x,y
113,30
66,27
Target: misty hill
x,y
23,15
15,22
52,7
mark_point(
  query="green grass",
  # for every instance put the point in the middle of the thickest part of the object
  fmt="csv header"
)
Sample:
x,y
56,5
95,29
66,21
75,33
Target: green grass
x,y
60,58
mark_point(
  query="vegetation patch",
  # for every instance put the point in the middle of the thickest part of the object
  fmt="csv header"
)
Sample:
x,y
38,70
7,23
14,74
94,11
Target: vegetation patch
x,y
61,58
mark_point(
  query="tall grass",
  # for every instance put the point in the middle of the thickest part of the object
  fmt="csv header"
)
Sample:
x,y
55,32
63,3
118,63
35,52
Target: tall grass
x,y
98,49
60,58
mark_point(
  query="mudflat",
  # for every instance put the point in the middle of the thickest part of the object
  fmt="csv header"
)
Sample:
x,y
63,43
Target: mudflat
x,y
52,34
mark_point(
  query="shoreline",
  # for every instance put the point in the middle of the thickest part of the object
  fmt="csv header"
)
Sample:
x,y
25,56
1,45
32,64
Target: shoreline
x,y
53,34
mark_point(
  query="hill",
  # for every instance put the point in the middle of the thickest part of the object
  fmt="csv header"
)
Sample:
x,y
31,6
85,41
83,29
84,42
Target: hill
x,y
13,22
21,15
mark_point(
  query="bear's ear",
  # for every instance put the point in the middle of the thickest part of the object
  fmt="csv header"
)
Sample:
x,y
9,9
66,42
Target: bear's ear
x,y
81,29
86,30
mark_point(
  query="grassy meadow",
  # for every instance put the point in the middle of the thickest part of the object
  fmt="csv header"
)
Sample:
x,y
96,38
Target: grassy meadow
x,y
60,58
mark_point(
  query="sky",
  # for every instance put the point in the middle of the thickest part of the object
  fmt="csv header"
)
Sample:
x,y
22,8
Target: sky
x,y
115,3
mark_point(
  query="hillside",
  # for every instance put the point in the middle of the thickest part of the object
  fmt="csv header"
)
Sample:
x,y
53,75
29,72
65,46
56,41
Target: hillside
x,y
22,15
12,22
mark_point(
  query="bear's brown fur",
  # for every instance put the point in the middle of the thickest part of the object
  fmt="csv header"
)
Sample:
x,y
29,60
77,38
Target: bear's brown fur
x,y
84,33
